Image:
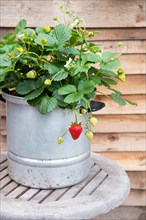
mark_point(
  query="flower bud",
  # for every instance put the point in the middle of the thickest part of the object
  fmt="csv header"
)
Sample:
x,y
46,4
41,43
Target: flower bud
x,y
47,82
120,44
31,74
47,29
19,49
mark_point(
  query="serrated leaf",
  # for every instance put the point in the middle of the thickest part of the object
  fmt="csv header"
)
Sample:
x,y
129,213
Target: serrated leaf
x,y
94,58
86,86
109,81
61,75
109,55
96,79
53,67
112,64
104,72
73,97
47,104
67,89
70,50
34,94
25,87
50,40
62,34
21,25
118,99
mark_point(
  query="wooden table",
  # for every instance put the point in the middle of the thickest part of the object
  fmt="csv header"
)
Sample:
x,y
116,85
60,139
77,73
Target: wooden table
x,y
106,187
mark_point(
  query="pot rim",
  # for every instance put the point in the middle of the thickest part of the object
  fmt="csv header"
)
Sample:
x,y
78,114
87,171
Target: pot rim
x,y
14,99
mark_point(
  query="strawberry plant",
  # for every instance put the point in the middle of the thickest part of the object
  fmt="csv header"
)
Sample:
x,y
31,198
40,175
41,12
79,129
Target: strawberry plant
x,y
55,67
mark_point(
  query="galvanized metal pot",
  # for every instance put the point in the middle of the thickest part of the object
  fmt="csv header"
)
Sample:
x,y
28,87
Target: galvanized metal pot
x,y
35,159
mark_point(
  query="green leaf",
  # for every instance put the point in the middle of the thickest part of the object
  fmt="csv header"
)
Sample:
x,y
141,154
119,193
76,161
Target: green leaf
x,y
5,61
104,72
50,40
86,86
118,99
9,38
25,87
73,97
47,104
96,79
94,58
109,81
62,34
67,89
130,102
70,50
21,25
109,55
34,94
112,64
61,75
53,67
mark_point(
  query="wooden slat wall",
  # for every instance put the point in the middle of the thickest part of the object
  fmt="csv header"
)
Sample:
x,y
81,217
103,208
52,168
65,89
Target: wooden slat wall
x,y
120,132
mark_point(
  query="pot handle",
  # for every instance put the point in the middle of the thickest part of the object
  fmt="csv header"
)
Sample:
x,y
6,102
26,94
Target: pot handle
x,y
2,99
95,105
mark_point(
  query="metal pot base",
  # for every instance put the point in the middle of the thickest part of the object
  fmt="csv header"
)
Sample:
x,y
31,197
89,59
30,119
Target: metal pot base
x,y
49,174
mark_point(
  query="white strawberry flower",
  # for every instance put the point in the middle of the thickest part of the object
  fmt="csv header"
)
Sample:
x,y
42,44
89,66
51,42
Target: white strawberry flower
x,y
68,62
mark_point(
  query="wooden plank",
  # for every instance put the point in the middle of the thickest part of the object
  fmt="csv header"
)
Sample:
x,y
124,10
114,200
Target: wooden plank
x,y
130,161
136,198
29,194
85,9
129,47
135,84
10,187
120,123
41,196
111,142
3,173
133,63
2,108
112,107
17,192
125,213
55,195
5,182
103,34
137,179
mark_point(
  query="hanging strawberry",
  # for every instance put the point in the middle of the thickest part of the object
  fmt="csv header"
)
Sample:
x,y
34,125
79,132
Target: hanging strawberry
x,y
75,130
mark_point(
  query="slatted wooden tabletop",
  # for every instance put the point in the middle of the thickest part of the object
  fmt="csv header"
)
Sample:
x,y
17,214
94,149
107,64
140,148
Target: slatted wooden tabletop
x,y
106,187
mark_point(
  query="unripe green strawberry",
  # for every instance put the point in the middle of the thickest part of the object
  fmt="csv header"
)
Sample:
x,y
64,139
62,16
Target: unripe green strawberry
x,y
47,29
122,77
89,135
31,74
47,82
93,121
120,71
60,140
120,44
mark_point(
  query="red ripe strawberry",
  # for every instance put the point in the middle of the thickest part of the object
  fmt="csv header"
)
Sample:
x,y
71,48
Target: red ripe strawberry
x,y
75,130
